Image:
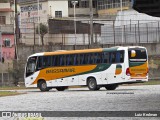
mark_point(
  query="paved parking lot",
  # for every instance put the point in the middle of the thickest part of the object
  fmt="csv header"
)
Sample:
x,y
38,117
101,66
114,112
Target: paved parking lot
x,y
124,98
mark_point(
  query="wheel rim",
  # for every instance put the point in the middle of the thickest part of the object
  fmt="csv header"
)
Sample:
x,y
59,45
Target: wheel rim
x,y
44,85
91,84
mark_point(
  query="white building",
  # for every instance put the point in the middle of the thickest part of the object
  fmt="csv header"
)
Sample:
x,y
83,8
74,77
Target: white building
x,y
33,12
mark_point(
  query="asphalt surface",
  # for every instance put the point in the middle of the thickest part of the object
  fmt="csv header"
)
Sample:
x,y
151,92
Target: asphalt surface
x,y
124,98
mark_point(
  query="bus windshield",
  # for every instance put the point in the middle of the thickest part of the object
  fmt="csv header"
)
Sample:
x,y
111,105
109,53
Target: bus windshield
x,y
137,55
31,66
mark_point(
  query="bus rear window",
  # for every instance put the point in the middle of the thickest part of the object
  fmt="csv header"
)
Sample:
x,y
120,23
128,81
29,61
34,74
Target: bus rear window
x,y
137,55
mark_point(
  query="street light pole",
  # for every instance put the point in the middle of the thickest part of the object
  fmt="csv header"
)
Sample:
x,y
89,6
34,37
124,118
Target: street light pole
x,y
122,22
75,26
91,21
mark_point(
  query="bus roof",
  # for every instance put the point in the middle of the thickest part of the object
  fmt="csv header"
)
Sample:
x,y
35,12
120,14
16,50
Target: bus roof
x,y
61,52
73,51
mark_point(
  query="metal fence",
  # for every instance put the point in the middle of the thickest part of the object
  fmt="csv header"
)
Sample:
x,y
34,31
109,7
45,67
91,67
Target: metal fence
x,y
146,32
107,32
6,79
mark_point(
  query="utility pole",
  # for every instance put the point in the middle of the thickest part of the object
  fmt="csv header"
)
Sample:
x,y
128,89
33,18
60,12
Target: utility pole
x,y
16,31
34,36
1,56
91,21
16,38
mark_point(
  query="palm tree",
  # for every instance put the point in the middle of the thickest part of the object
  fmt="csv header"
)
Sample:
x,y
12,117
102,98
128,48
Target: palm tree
x,y
43,29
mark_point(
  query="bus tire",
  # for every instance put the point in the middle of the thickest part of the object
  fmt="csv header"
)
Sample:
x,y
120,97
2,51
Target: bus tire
x,y
92,84
111,87
43,86
61,88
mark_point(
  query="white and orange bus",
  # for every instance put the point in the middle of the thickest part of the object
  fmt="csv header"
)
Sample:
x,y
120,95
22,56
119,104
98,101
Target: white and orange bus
x,y
95,68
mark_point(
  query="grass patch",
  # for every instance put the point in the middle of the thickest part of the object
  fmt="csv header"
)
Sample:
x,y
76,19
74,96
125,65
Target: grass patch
x,y
12,88
151,82
8,93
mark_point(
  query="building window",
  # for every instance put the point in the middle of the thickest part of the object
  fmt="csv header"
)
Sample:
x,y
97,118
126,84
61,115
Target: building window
x,y
2,19
85,4
58,14
7,42
109,4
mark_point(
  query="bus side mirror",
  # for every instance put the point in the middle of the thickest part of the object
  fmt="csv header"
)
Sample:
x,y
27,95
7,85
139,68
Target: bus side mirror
x,y
133,53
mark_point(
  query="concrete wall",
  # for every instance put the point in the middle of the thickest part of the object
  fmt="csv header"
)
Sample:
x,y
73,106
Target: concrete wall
x,y
81,11
65,39
7,28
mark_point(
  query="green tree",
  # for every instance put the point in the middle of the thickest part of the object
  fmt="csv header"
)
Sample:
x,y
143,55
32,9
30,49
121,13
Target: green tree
x,y
43,29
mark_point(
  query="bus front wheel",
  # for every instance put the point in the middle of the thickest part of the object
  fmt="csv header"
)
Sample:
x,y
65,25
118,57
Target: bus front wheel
x,y
111,87
92,84
43,86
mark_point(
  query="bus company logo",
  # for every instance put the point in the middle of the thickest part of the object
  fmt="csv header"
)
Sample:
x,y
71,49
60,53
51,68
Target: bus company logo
x,y
60,70
6,115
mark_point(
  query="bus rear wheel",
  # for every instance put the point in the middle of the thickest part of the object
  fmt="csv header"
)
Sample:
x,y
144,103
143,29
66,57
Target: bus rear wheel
x,y
111,87
92,84
43,86
61,88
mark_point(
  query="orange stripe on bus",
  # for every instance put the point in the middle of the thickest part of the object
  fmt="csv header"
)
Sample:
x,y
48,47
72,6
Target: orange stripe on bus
x,y
61,72
73,51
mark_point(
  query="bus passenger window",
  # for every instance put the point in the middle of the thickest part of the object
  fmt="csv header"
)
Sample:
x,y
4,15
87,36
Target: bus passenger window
x,y
62,59
95,58
118,55
85,58
105,57
53,60
81,59
39,63
88,58
56,61
98,58
122,56
71,60
75,60
112,57
78,59
91,58
67,59
46,61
